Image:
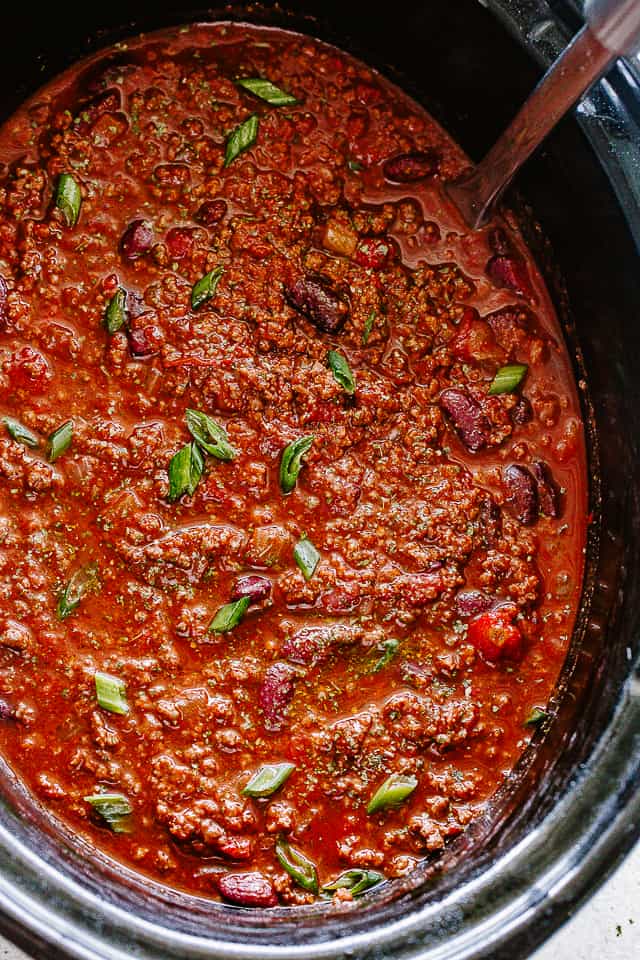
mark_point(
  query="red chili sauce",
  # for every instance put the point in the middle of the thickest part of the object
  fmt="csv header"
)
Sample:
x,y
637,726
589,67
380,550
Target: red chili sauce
x,y
358,558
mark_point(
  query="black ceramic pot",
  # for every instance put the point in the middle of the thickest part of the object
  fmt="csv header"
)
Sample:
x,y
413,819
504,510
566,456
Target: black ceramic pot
x,y
572,808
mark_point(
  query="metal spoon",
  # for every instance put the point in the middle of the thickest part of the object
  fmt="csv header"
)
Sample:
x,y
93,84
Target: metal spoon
x,y
612,29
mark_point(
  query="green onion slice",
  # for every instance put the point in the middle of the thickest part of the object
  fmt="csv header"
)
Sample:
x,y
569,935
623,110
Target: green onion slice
x,y
19,432
291,462
368,327
111,693
115,315
306,556
209,435
299,867
81,583
536,717
357,881
205,288
229,616
267,91
268,779
341,371
241,139
60,440
389,649
393,791
185,471
508,379
68,199
114,808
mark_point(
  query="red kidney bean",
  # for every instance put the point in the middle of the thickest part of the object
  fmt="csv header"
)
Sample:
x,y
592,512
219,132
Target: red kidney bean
x,y
490,521
467,418
341,599
408,167
315,299
253,586
511,272
276,693
248,889
469,603
523,494
495,636
142,342
211,212
108,102
548,493
136,307
137,239
6,712
522,412
4,293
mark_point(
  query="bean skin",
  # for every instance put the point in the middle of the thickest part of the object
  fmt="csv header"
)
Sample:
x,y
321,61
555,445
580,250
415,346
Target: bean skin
x,y
248,890
316,300
523,493
467,418
409,167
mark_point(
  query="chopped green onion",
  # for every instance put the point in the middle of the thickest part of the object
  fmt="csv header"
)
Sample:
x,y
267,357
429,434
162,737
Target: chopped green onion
x,y
60,440
185,471
354,166
268,779
389,649
20,433
266,91
291,462
205,288
536,717
368,327
68,199
209,435
341,371
111,693
393,791
306,556
299,867
241,139
115,316
357,881
81,583
508,379
114,808
229,616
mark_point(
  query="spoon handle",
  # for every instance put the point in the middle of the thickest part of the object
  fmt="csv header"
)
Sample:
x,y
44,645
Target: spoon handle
x,y
613,27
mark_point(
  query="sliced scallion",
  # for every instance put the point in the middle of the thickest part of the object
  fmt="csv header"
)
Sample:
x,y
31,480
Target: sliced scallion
x,y
241,139
209,435
205,288
229,616
20,433
268,779
356,881
306,556
389,649
81,583
341,371
267,91
114,808
536,717
291,462
508,379
393,792
115,315
68,199
299,867
60,440
111,693
185,470
368,327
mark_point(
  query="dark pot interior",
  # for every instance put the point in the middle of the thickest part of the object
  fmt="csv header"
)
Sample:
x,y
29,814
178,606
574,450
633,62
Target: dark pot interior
x,y
570,808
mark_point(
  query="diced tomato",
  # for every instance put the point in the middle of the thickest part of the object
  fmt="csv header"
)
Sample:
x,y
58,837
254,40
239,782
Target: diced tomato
x,y
372,253
495,635
28,368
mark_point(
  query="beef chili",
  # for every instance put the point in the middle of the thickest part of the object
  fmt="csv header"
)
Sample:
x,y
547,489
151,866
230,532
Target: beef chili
x,y
293,496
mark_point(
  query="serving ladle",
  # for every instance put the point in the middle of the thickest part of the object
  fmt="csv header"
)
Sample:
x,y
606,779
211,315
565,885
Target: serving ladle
x,y
612,29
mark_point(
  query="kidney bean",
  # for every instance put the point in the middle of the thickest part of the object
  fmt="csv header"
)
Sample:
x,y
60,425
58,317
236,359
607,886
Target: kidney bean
x,y
495,635
142,341
522,412
467,418
211,212
276,693
490,521
523,494
470,603
248,889
548,493
136,307
6,712
137,239
315,299
253,586
511,272
4,293
108,102
343,599
409,167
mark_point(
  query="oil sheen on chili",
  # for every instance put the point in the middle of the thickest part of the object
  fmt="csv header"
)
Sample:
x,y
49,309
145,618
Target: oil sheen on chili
x,y
292,505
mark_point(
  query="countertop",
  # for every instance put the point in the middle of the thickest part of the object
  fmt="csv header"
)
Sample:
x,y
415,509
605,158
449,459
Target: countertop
x,y
607,927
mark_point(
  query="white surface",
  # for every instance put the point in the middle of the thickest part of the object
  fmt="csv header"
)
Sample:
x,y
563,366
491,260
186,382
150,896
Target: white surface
x,y
606,928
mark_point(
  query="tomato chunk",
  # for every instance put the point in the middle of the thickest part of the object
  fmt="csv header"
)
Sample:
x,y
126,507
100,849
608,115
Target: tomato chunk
x,y
495,636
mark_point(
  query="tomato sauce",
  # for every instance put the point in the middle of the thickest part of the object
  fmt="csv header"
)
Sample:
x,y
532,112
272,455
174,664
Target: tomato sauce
x,y
293,496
